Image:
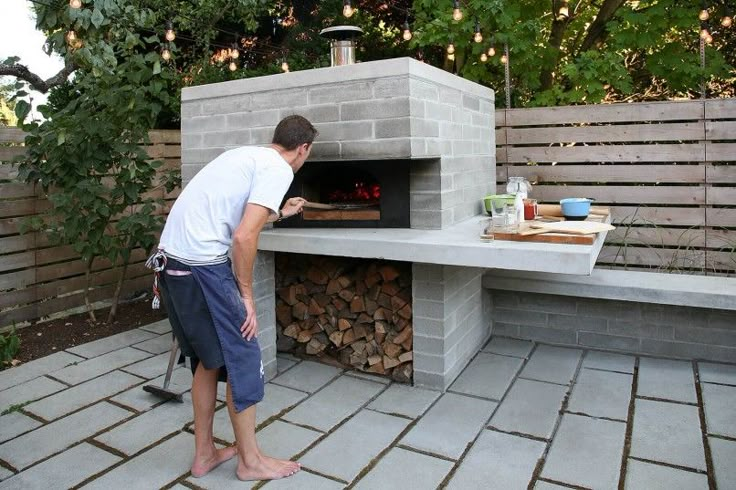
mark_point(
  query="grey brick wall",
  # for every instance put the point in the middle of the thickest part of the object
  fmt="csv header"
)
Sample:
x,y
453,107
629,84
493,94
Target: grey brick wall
x,y
451,321
264,292
671,331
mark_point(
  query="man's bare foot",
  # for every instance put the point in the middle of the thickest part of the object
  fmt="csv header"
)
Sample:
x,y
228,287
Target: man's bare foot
x,y
201,468
265,468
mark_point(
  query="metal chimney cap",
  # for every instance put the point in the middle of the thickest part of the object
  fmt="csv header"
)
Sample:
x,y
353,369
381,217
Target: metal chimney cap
x,y
340,33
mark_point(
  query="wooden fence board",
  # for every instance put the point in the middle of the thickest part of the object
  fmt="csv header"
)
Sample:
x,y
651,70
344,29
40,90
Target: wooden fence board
x,y
665,259
171,136
663,237
694,152
720,174
603,134
720,130
12,135
22,260
8,171
722,261
8,153
610,173
720,152
721,238
13,190
653,215
720,108
721,217
621,194
721,196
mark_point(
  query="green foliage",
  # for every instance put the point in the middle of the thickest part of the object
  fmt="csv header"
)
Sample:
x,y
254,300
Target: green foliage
x,y
9,347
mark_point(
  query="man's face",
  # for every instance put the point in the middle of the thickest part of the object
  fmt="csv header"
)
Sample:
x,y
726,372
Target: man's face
x,y
302,155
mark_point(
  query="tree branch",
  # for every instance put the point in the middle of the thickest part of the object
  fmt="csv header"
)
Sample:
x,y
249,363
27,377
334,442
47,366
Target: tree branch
x,y
597,30
23,73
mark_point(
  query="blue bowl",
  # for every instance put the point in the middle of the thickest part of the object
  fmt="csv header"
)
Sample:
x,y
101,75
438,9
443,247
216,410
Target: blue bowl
x,y
575,208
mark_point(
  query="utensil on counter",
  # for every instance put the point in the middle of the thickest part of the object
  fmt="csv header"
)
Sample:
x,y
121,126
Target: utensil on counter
x,y
339,206
574,227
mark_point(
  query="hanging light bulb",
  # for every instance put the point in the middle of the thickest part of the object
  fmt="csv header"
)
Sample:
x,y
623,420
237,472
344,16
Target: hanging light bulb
x,y
708,39
504,59
727,19
407,35
451,48
704,14
166,54
285,66
71,37
234,53
75,4
564,11
347,8
483,57
478,36
233,66
457,13
170,35
704,32
492,50
451,56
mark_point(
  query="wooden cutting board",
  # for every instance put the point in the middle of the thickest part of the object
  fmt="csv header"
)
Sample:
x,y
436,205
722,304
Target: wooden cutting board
x,y
574,227
530,234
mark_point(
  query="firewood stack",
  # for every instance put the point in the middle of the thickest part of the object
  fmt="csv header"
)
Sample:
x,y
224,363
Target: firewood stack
x,y
357,312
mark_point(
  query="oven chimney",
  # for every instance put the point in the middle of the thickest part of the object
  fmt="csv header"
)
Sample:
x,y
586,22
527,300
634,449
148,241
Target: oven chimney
x,y
342,44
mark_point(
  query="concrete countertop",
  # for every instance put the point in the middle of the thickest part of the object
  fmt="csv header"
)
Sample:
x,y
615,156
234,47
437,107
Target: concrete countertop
x,y
458,245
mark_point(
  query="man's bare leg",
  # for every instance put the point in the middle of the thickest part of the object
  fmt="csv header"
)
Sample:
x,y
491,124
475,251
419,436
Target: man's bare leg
x,y
204,396
252,464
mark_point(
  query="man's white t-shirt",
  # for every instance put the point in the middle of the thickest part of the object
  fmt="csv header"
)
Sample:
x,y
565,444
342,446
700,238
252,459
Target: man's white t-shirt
x,y
201,223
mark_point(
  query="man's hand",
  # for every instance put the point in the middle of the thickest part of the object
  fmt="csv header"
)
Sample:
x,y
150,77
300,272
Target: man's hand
x,y
249,329
293,206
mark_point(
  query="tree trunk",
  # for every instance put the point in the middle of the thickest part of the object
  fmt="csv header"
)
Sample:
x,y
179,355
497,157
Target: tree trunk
x,y
116,296
557,33
597,30
87,280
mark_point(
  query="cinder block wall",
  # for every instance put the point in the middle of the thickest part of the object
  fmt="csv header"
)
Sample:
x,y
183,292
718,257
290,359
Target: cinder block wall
x,y
264,293
451,321
670,331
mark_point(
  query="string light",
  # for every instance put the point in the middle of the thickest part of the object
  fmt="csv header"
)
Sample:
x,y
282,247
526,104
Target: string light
x,y
75,4
704,32
285,67
478,36
457,13
727,19
492,50
704,14
233,66
347,8
564,11
166,54
451,56
504,59
451,48
170,35
407,35
483,57
234,52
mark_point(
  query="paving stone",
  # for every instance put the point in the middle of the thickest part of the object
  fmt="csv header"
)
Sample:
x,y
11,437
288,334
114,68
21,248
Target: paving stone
x,y
52,438
448,427
222,478
156,345
370,377
65,470
15,424
307,376
717,373
34,369
345,452
666,379
283,364
405,470
155,468
586,452
29,391
553,364
136,398
149,368
99,365
284,441
723,453
487,376
667,432
530,407
159,327
543,485
109,344
720,415
509,347
507,461
657,477
607,361
5,473
149,427
82,395
601,394
404,400
304,480
335,402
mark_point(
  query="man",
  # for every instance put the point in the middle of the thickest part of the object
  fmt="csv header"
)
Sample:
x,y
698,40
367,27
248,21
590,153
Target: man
x,y
211,310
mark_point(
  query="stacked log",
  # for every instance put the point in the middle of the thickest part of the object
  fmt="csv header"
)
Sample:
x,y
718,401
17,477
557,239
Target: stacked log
x,y
355,311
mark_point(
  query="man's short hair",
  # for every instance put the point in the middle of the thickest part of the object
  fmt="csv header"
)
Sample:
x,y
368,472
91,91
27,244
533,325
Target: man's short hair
x,y
294,131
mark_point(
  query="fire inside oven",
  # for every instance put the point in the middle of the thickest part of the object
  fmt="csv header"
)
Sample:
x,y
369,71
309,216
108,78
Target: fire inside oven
x,y
352,194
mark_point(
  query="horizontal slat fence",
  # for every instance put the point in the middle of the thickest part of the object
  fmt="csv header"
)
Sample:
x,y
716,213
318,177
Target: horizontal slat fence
x,y
37,279
666,169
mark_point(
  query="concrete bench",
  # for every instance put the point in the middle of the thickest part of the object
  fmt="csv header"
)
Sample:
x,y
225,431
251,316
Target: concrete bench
x,y
683,316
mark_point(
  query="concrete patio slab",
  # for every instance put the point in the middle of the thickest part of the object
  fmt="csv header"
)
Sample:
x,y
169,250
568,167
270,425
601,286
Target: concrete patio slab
x,y
448,427
723,453
400,469
509,347
334,403
160,327
552,364
5,473
368,376
109,344
667,432
345,452
155,468
601,394
29,391
498,460
720,414
404,400
302,481
607,361
65,470
717,373
14,424
57,436
487,376
137,399
284,441
150,367
81,395
283,364
530,407
666,379
34,369
156,345
586,452
97,366
276,400
222,478
307,376
657,477
543,485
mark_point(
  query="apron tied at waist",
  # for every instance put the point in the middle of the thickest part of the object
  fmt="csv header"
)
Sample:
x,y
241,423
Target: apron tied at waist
x,y
157,262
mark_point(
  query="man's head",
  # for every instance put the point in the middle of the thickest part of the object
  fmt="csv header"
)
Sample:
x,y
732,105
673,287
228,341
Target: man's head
x,y
295,135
